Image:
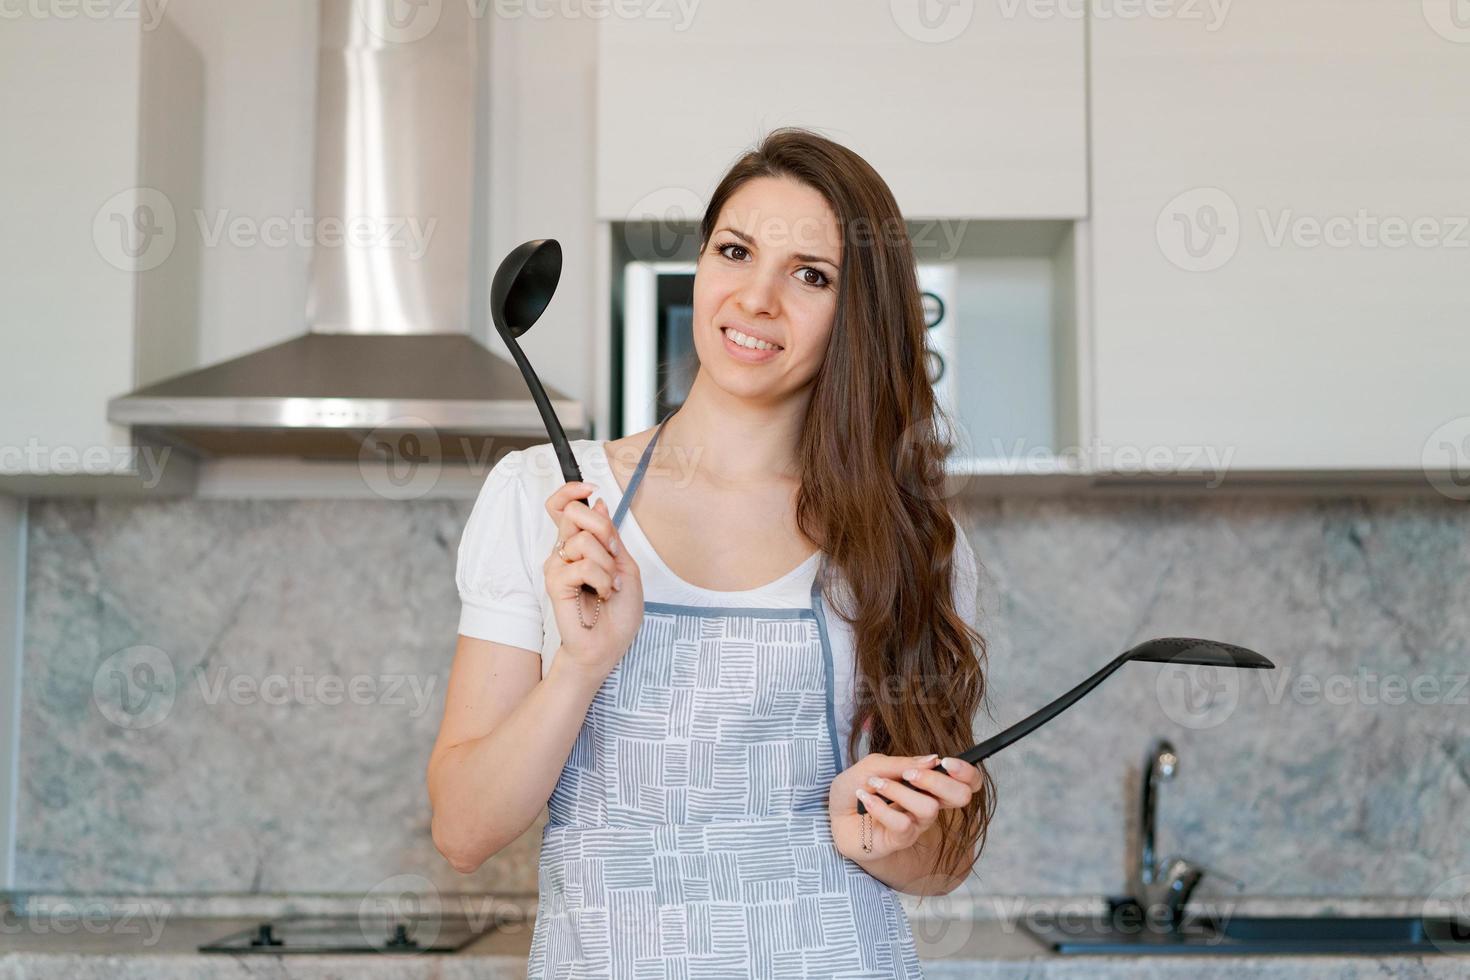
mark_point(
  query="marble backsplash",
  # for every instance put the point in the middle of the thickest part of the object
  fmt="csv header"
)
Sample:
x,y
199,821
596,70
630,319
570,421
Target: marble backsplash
x,y
240,696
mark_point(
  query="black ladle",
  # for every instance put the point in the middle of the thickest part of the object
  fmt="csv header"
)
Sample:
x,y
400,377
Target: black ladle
x,y
1164,650
522,288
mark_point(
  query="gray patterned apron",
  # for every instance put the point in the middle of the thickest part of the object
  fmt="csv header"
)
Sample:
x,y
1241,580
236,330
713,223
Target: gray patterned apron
x,y
688,834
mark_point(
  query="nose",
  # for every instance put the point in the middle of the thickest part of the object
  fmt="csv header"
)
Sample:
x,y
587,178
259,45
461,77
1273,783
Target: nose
x,y
760,295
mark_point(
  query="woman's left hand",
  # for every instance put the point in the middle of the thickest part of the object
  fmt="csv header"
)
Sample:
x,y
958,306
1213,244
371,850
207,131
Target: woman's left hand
x,y
900,814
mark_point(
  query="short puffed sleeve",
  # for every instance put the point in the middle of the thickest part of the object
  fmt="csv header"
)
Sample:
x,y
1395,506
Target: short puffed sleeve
x,y
499,596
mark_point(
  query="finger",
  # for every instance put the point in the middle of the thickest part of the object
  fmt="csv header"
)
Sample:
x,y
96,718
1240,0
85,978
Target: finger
x,y
576,518
899,823
950,791
571,576
963,771
565,494
582,545
894,766
917,802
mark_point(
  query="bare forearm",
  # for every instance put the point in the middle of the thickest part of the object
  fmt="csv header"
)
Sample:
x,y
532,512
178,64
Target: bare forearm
x,y
487,791
911,870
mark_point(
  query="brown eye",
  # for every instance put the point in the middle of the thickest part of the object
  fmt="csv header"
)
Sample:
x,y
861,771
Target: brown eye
x,y
730,245
821,281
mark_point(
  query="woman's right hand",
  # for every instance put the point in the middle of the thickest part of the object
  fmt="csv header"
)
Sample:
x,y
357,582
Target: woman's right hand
x,y
599,559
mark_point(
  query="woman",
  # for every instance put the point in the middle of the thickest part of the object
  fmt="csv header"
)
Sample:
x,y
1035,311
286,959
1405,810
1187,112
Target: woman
x,y
702,730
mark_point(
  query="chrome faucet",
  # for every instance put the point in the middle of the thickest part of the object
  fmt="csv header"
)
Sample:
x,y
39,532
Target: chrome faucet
x,y
1170,882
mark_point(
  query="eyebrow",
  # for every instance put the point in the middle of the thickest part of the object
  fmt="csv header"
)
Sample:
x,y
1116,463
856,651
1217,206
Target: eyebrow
x,y
803,256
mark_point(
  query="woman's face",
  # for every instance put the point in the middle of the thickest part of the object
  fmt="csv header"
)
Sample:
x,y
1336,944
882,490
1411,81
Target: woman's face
x,y
768,271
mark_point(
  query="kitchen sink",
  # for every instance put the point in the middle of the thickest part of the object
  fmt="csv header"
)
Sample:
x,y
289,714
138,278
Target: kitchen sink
x,y
1249,934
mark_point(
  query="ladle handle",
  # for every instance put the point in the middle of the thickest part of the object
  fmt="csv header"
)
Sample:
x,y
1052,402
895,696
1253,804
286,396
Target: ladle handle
x,y
570,471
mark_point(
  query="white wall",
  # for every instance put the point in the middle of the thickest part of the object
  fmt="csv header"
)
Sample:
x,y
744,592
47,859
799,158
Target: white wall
x,y
259,69
543,180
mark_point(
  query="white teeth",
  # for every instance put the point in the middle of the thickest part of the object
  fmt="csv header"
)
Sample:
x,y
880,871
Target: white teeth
x,y
744,340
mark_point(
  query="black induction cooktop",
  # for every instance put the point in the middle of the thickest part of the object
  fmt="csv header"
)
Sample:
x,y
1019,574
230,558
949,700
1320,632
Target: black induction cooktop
x,y
353,934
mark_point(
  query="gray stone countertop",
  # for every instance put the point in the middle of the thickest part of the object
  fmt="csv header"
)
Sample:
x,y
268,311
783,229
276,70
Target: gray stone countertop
x,y
165,947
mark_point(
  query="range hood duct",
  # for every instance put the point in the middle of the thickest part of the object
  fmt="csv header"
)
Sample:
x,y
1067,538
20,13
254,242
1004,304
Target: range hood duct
x,y
388,347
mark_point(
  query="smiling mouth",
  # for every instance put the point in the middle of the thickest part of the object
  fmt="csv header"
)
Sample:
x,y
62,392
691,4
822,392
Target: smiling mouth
x,y
728,331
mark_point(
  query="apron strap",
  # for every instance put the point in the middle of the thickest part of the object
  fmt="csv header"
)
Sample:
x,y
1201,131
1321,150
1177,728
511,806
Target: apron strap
x,y
627,500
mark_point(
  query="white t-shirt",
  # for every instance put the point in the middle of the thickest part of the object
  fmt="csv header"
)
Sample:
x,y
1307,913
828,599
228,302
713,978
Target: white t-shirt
x,y
509,535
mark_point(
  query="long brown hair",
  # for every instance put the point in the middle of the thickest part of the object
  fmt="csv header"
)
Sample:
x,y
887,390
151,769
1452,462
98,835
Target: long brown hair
x,y
872,452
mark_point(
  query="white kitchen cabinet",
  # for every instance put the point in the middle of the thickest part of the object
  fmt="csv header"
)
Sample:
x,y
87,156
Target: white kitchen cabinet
x,y
978,112
1279,232
97,172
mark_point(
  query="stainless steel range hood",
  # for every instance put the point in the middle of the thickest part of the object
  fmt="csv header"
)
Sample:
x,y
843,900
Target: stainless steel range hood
x,y
388,346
